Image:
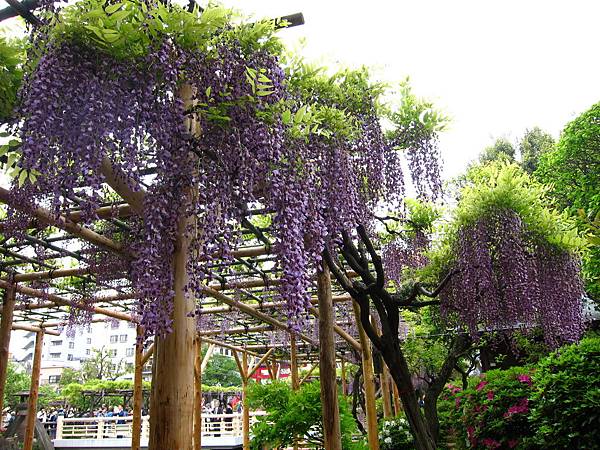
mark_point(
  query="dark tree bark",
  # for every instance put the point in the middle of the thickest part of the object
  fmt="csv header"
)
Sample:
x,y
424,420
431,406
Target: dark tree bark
x,y
369,290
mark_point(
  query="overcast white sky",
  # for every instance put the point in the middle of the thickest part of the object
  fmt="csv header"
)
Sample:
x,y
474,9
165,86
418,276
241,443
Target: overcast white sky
x,y
496,67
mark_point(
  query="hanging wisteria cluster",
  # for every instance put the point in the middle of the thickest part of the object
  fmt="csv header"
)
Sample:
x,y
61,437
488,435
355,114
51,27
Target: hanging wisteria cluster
x,y
316,156
506,280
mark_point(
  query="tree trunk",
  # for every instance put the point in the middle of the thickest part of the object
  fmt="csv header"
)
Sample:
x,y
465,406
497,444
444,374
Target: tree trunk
x,y
402,377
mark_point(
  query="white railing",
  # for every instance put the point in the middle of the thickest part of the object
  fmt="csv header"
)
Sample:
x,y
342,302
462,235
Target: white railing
x,y
213,425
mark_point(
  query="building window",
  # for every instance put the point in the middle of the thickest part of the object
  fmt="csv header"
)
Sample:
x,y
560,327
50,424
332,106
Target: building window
x,y
114,338
114,325
87,351
112,352
69,357
129,352
71,344
89,340
54,355
123,338
56,343
53,379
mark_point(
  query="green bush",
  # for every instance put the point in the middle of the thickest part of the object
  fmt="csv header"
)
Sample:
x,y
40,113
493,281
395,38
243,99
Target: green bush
x,y
295,413
566,401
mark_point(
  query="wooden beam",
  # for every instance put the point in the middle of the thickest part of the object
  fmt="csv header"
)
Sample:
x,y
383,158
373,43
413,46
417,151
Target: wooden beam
x,y
260,362
209,353
52,274
121,183
369,382
6,323
233,348
148,354
252,312
61,222
309,373
16,326
240,330
327,363
386,391
136,426
33,392
56,300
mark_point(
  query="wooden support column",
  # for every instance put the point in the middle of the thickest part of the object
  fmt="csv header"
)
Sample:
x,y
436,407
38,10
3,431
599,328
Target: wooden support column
x,y
136,426
385,391
33,391
294,362
172,405
397,404
198,394
243,368
327,366
369,382
8,306
344,382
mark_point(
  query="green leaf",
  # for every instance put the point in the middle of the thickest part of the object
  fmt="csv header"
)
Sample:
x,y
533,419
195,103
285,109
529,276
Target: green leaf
x,y
110,9
264,93
286,117
22,177
300,115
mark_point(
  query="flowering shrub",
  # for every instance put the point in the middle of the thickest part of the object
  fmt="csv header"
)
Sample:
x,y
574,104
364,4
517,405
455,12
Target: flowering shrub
x,y
566,399
394,434
494,411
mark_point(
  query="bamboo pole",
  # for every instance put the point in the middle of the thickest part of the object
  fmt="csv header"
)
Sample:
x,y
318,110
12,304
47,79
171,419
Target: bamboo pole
x,y
34,329
121,183
33,392
136,426
172,420
369,382
327,363
309,373
6,322
198,394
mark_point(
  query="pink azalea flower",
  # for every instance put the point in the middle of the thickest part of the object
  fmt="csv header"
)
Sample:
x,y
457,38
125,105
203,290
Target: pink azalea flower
x,y
525,379
490,443
521,407
457,402
481,385
490,395
512,443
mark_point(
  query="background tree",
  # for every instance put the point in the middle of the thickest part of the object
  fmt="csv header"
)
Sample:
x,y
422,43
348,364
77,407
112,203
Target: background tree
x,y
501,150
532,146
221,371
572,170
102,366
17,380
504,261
69,376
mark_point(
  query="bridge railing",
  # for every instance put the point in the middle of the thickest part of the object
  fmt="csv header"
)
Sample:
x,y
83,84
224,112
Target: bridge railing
x,y
213,425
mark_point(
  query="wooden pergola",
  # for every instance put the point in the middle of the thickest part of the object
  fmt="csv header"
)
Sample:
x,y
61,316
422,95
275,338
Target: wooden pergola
x,y
41,275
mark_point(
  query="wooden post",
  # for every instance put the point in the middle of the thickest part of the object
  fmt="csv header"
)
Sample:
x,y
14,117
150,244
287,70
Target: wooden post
x,y
246,410
294,362
327,367
33,391
385,391
172,405
198,395
369,382
397,404
344,383
8,306
136,426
